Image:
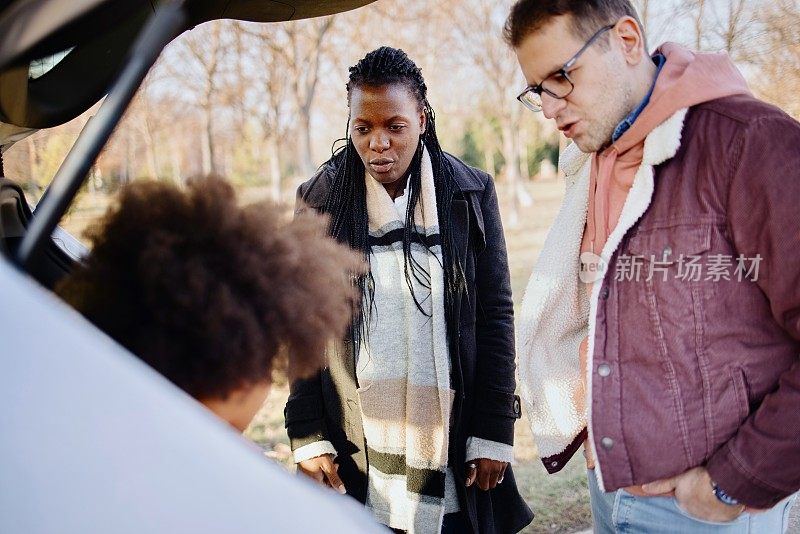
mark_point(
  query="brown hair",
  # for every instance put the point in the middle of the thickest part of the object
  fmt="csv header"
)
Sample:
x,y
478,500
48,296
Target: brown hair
x,y
209,293
588,16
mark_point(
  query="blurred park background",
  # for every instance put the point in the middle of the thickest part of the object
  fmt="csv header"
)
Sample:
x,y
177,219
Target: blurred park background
x,y
263,104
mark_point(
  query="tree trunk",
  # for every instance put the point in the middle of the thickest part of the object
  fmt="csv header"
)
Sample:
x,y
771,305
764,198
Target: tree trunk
x,y
306,157
645,15
522,199
488,159
176,165
562,144
127,170
150,147
207,143
698,25
524,153
511,169
273,150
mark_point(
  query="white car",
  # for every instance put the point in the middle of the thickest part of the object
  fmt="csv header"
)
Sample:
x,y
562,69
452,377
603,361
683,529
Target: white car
x,y
91,438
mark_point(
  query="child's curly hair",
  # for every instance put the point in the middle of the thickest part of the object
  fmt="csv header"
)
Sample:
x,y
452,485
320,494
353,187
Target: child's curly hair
x,y
209,293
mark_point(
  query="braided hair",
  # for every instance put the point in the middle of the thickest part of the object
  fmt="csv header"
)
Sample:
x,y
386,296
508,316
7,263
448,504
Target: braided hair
x,y
347,202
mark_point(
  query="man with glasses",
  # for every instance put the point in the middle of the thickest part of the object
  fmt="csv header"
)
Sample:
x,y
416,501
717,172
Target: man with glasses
x,y
661,325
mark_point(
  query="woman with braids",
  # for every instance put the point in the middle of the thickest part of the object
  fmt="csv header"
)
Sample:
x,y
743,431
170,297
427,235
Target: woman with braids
x,y
414,414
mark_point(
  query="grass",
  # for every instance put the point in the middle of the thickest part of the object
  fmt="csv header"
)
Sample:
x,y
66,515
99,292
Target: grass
x,y
560,501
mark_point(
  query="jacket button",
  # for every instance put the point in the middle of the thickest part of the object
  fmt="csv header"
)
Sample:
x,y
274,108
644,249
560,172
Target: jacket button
x,y
516,406
604,293
554,464
607,443
604,370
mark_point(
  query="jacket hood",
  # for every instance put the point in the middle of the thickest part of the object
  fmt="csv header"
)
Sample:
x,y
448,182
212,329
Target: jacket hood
x,y
687,79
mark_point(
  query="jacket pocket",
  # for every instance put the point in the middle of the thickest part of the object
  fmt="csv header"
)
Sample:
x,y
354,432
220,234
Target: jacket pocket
x,y
663,269
742,393
732,406
665,283
671,251
714,524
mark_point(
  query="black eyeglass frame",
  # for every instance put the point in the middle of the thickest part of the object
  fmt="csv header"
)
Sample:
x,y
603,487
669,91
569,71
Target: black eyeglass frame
x,y
539,88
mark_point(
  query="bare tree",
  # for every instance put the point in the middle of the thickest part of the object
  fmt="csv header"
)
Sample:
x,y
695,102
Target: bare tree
x,y
140,120
199,66
731,28
208,56
778,57
478,32
644,10
696,13
302,48
274,126
698,24
262,96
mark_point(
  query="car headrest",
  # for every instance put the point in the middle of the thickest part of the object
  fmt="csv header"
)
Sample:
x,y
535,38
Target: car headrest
x,y
15,215
14,211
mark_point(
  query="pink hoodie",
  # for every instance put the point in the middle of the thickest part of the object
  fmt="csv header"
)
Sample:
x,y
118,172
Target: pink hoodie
x,y
686,79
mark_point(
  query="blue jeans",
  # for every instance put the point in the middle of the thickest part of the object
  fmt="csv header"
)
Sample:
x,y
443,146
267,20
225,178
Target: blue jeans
x,y
619,511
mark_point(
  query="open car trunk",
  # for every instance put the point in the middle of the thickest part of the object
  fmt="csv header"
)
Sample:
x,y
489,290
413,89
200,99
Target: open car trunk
x,y
94,37
60,57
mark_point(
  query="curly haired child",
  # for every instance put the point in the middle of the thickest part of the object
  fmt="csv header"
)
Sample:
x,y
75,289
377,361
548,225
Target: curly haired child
x,y
211,294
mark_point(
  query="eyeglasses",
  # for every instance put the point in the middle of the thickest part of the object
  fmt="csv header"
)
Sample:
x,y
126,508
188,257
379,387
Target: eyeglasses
x,y
558,84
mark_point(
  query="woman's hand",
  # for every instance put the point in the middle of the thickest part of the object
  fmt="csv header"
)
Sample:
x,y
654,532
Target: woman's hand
x,y
487,473
323,470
